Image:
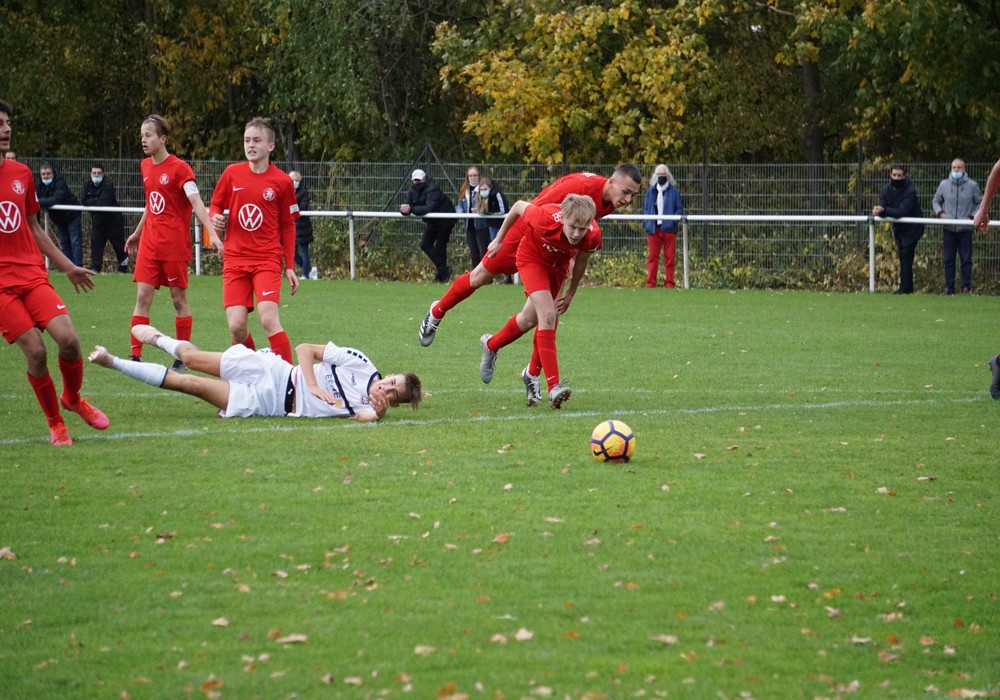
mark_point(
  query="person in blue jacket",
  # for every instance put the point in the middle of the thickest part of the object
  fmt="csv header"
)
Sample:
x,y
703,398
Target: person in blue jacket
x,y
662,199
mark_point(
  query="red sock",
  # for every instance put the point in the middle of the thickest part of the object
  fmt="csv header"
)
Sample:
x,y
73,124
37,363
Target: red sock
x,y
459,291
547,352
535,363
136,345
72,379
281,346
248,342
45,392
506,335
182,328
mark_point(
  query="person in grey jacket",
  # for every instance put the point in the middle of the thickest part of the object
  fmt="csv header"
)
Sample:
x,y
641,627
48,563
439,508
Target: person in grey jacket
x,y
958,197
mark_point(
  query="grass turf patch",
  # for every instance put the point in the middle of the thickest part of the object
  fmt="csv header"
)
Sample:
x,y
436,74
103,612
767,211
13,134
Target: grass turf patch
x,y
810,510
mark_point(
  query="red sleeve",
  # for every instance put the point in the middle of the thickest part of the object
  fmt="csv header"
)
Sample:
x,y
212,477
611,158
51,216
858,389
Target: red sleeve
x,y
220,196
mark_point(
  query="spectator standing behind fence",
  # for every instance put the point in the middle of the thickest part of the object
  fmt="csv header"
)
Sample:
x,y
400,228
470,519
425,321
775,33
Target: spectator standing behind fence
x,y
161,242
898,200
663,199
105,226
491,203
53,190
957,197
303,228
10,155
425,197
477,231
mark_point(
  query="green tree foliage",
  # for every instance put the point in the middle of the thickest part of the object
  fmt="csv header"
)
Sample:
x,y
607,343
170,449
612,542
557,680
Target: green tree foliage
x,y
589,83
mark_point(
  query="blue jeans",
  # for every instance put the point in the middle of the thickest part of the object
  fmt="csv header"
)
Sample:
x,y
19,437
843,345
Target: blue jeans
x,y
302,257
71,240
960,241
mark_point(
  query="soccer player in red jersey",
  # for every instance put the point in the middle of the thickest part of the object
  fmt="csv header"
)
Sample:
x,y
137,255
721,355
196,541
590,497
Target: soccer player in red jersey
x,y
260,232
608,194
29,303
552,235
161,243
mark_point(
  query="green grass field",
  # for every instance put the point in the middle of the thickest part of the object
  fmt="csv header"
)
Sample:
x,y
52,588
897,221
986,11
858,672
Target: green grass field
x,y
811,510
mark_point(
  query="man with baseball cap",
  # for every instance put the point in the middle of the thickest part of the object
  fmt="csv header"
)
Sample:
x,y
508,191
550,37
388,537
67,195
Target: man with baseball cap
x,y
425,197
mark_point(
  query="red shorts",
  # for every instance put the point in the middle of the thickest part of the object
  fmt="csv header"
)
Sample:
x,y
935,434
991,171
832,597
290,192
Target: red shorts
x,y
241,282
28,306
161,273
505,261
537,277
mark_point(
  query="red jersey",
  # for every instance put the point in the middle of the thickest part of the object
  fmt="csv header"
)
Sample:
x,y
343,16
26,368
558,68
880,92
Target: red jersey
x,y
262,212
543,240
166,233
20,259
587,184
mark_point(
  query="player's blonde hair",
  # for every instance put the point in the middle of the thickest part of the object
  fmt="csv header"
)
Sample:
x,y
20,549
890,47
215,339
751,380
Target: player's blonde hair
x,y
578,210
263,124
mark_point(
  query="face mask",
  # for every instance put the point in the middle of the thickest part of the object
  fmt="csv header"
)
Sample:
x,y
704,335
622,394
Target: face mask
x,y
956,175
662,179
898,184
46,182
97,180
297,183
484,193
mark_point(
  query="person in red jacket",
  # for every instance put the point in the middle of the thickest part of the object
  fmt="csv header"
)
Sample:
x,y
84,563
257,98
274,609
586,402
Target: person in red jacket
x,y
161,242
259,238
29,302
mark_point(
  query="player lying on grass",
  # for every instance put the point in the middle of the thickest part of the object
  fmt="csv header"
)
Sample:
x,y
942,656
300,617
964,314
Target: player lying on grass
x,y
553,235
329,381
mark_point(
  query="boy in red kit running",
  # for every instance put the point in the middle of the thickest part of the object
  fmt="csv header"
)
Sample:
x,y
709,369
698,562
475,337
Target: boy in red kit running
x,y
552,235
608,194
260,233
29,302
161,243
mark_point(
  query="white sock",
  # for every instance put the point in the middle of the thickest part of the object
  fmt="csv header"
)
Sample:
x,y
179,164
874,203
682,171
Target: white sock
x,y
148,372
169,345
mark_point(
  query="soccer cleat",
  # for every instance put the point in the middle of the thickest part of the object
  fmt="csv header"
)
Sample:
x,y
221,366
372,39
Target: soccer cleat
x,y
58,435
429,327
178,366
995,384
532,388
135,358
146,335
93,417
558,395
489,362
101,356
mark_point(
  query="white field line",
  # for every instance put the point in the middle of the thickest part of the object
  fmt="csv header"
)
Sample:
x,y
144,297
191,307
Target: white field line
x,y
540,412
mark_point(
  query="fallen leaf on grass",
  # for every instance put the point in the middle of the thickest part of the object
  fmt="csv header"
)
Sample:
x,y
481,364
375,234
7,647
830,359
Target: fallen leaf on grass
x,y
354,680
665,639
220,622
7,553
886,656
498,639
523,635
966,693
292,638
926,641
424,650
855,639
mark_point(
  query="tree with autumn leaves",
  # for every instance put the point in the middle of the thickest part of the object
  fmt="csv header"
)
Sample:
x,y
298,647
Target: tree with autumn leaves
x,y
531,80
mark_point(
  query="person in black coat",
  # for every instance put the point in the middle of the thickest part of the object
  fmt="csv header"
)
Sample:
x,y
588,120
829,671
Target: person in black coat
x,y
898,200
52,190
105,226
425,197
303,228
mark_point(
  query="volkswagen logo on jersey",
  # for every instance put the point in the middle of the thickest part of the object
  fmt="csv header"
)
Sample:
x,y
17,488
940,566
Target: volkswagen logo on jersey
x,y
10,217
269,194
157,202
251,217
18,187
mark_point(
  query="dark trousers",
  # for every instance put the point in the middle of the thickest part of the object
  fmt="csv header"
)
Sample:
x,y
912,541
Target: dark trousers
x,y
99,237
71,240
906,247
434,243
478,240
302,258
960,241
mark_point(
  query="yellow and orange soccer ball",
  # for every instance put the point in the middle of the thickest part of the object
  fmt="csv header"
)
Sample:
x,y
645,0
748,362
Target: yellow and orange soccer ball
x,y
612,441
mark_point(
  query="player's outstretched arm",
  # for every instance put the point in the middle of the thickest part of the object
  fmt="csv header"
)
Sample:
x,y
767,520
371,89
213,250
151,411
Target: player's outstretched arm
x,y
512,216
